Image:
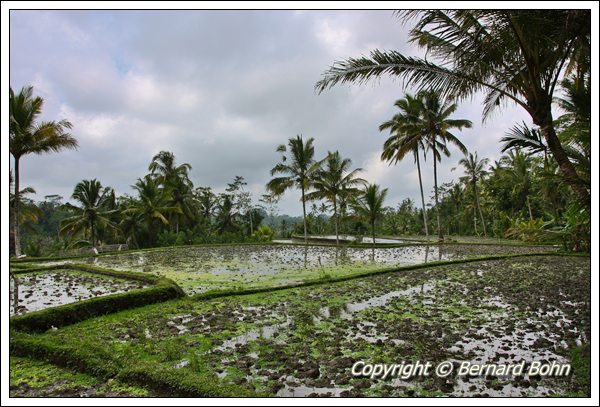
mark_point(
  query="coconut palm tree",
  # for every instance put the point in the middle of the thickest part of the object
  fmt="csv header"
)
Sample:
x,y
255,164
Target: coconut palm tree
x,y
297,168
436,125
176,184
152,206
516,56
330,180
369,205
406,136
94,210
523,137
28,136
165,170
475,171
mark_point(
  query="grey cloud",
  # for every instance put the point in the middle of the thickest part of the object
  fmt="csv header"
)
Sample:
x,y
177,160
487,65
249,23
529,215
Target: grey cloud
x,y
221,89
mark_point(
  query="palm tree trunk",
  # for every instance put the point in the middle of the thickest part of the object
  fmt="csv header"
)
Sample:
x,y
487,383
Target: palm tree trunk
x,y
373,232
479,208
304,216
16,209
566,166
335,214
458,220
251,226
93,227
422,197
437,204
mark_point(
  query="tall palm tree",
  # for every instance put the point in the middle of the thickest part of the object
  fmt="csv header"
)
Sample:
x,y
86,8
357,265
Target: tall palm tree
x,y
510,55
406,136
475,170
28,136
330,180
152,206
165,170
175,183
518,169
436,125
297,168
369,205
226,214
94,210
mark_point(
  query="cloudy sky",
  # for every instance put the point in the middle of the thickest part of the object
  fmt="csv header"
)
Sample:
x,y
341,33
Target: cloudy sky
x,y
220,89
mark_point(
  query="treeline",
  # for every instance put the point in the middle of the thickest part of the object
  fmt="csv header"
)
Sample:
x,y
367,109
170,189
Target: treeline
x,y
165,209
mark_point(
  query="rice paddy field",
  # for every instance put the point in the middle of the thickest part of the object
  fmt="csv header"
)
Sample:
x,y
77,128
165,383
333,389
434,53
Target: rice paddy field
x,y
202,269
304,341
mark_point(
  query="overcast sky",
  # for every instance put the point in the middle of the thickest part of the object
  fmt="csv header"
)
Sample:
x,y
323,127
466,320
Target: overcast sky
x,y
220,89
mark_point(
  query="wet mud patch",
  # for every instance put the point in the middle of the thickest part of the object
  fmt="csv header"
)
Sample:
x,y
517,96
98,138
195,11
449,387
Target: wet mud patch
x,y
40,290
304,341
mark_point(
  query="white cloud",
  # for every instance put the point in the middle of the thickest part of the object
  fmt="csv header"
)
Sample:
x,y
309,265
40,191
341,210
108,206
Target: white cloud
x,y
219,89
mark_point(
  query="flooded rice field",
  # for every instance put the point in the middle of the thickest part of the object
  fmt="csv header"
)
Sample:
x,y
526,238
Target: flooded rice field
x,y
40,290
200,269
305,341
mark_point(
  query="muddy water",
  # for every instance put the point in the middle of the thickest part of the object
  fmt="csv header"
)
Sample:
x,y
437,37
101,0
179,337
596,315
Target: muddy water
x,y
37,291
198,269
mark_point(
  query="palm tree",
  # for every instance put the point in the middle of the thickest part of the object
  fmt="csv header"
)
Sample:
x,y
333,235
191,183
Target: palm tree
x,y
475,170
151,206
28,136
175,182
406,137
298,169
518,168
436,125
369,205
164,169
330,181
511,55
523,137
226,214
94,210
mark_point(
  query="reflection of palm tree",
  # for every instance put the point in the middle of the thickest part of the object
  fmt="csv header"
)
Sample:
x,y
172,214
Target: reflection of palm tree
x,y
27,136
332,180
511,55
297,168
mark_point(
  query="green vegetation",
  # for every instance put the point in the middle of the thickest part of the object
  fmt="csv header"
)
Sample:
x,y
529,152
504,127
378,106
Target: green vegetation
x,y
161,289
35,378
